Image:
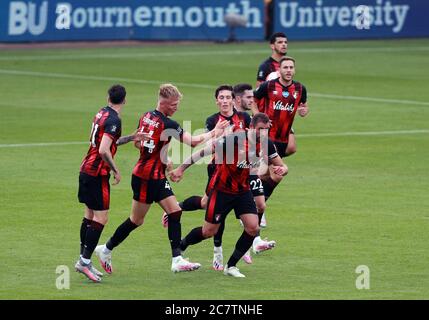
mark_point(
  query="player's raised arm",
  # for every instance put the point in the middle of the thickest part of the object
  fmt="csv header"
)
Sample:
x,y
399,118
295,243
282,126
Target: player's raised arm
x,y
177,174
136,136
194,141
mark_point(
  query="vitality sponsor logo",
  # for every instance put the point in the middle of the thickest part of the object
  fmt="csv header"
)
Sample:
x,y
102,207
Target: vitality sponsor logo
x,y
249,165
278,105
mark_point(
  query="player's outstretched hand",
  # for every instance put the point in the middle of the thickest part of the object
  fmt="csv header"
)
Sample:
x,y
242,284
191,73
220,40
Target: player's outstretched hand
x,y
142,136
220,127
117,177
280,170
176,175
303,109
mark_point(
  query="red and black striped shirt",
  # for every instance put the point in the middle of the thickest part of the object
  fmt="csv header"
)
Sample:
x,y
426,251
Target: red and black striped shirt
x,y
240,120
266,68
280,104
239,156
106,121
153,153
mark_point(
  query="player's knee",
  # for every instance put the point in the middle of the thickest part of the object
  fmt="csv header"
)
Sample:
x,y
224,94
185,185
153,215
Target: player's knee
x,y
252,230
209,232
101,218
138,221
261,207
291,149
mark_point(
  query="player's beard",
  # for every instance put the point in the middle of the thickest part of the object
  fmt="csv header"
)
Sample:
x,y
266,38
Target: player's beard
x,y
280,53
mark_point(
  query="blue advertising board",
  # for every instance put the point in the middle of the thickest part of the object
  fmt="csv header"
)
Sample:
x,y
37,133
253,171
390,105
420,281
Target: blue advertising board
x,y
351,19
63,20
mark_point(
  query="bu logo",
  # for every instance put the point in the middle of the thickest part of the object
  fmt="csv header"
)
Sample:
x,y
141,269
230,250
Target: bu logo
x,y
167,185
217,217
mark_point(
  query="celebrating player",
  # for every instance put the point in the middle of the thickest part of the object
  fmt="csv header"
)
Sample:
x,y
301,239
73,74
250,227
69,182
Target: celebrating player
x,y
239,121
229,186
149,182
94,188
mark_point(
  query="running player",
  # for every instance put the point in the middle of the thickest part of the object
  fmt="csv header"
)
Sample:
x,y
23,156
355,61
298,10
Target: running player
x,y
282,98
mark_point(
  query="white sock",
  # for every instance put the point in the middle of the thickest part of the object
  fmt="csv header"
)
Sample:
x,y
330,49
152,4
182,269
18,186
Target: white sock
x,y
105,250
257,239
217,250
86,261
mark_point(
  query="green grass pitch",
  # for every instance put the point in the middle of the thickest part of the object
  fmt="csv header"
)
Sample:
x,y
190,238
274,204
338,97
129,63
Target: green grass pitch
x,y
356,193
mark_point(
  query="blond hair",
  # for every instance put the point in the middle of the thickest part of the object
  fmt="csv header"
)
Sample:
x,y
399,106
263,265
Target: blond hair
x,y
168,91
287,58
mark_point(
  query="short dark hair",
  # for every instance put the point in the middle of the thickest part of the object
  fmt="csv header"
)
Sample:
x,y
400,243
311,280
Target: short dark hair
x,y
117,94
259,117
240,88
224,87
277,35
286,58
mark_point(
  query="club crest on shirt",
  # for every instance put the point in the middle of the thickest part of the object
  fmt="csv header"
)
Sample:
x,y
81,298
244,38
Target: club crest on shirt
x,y
286,94
295,94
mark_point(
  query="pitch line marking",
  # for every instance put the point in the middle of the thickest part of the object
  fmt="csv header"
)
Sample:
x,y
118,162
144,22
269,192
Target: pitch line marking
x,y
309,135
190,85
198,53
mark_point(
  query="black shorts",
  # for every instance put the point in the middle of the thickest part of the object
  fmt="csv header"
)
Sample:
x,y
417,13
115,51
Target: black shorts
x,y
94,191
149,191
281,148
256,186
220,204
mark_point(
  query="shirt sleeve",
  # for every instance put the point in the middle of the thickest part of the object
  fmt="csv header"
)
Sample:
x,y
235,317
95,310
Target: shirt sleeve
x,y
262,72
112,127
272,150
247,120
304,95
261,91
210,123
171,124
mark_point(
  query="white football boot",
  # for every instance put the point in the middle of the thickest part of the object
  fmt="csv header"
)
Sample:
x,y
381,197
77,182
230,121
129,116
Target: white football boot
x,y
233,271
179,264
104,258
